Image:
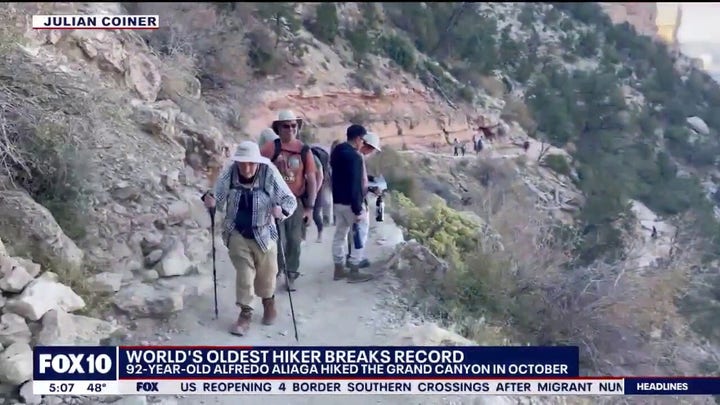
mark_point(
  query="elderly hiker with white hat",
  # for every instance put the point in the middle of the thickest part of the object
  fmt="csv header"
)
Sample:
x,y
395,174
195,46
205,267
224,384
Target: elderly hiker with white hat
x,y
296,164
253,194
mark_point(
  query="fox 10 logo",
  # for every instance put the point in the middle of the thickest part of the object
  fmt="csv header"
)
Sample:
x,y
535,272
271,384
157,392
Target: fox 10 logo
x,y
74,363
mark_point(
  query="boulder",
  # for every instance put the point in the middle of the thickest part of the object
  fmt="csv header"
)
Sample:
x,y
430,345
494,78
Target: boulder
x,y
153,258
29,227
157,118
174,263
42,295
16,364
61,328
143,300
143,76
150,242
698,125
413,261
15,279
13,329
106,282
178,212
103,47
27,396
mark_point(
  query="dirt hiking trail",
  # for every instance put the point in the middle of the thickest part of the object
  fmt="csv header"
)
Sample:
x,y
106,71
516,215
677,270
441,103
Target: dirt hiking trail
x,y
330,313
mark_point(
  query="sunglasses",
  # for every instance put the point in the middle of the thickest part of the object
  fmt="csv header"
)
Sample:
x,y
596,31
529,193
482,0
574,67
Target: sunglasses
x,y
288,126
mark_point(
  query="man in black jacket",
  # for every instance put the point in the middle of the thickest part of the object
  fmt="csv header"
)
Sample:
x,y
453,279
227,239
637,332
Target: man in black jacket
x,y
346,164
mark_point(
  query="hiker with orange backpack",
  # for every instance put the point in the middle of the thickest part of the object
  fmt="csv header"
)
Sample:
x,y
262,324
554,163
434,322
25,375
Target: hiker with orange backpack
x,y
295,161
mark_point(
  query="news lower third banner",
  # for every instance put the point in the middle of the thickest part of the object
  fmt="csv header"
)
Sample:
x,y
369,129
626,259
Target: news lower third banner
x,y
187,370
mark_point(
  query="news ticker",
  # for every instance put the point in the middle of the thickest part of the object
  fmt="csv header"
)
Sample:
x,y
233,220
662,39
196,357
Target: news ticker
x,y
188,370
518,386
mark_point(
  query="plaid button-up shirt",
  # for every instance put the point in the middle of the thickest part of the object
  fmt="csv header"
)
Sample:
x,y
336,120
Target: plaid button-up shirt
x,y
269,190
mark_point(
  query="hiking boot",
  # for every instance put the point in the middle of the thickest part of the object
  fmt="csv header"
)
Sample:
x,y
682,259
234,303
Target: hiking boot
x,y
339,272
364,264
355,276
243,322
269,312
291,277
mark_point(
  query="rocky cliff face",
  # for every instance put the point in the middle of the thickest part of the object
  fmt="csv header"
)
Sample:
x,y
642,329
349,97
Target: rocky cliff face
x,y
642,16
655,20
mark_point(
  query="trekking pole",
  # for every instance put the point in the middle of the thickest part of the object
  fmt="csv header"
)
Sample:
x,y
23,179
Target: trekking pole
x,y
281,249
211,211
212,237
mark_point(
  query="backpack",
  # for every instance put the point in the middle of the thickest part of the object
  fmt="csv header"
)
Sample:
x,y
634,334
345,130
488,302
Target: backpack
x,y
323,157
318,151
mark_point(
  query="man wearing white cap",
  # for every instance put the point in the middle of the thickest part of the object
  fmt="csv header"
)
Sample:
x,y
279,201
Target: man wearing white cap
x,y
371,144
253,193
296,164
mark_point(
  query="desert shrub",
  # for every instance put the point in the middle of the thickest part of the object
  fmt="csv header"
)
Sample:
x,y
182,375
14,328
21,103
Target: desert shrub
x,y
261,52
448,234
557,163
325,26
516,110
399,50
45,121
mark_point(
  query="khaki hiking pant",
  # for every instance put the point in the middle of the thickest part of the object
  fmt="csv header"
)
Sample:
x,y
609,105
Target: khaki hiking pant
x,y
255,269
345,218
291,235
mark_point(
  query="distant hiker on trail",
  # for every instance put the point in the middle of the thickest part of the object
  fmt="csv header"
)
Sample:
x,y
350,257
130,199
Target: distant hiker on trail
x,y
456,146
252,193
654,233
370,146
295,162
462,148
478,145
347,187
526,146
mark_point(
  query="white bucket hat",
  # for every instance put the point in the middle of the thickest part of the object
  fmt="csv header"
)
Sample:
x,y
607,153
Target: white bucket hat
x,y
284,116
249,152
266,136
373,140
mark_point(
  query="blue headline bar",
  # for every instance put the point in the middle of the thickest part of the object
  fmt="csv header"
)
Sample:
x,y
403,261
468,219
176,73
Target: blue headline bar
x,y
306,362
343,362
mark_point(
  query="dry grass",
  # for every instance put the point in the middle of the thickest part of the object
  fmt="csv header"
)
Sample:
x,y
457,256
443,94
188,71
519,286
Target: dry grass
x,y
199,38
46,121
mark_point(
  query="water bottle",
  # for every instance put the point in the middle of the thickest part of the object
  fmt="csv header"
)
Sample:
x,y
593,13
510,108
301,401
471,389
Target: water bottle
x,y
379,209
357,240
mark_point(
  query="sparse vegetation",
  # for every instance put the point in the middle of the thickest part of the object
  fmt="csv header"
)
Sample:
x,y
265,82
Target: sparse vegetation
x,y
557,163
45,119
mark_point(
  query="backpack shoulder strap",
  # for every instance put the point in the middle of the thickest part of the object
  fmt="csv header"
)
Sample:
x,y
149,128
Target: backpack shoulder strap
x,y
277,149
304,155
